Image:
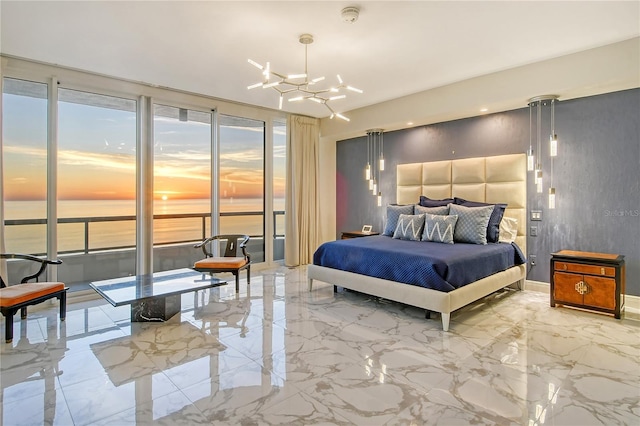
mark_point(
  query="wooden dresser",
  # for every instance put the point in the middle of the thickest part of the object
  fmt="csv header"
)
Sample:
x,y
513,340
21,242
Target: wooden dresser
x,y
587,280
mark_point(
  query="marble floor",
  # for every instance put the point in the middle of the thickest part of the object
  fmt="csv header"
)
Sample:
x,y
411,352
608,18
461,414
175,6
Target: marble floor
x,y
277,354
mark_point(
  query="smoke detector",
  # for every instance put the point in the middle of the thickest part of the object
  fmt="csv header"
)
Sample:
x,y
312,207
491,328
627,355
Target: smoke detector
x,y
350,14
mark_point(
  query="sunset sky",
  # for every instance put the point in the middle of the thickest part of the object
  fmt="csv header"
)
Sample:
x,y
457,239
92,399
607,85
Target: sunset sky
x,y
96,156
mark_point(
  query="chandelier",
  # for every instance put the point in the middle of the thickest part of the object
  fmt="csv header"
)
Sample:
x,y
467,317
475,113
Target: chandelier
x,y
298,87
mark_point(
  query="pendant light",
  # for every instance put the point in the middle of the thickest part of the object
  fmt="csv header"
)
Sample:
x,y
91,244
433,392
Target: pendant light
x,y
375,162
367,170
530,159
540,102
539,164
553,138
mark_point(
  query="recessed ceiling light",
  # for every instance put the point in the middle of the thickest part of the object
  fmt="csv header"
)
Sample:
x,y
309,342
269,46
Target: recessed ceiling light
x,y
410,123
484,110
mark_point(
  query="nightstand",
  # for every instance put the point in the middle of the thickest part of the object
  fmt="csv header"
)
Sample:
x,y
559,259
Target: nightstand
x,y
357,234
593,281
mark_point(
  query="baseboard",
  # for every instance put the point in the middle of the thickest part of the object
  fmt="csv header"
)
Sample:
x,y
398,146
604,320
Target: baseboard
x,y
539,286
631,303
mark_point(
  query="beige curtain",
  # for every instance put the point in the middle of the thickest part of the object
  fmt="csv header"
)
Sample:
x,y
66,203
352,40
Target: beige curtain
x,y
302,218
3,263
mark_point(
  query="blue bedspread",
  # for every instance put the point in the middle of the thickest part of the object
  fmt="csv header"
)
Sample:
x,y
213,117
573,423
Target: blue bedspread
x,y
442,267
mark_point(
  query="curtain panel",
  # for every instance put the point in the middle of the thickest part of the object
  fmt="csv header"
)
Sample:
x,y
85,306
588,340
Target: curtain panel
x,y
302,220
3,262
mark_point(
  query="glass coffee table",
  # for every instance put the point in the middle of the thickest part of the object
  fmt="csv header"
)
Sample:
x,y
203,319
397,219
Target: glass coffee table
x,y
154,297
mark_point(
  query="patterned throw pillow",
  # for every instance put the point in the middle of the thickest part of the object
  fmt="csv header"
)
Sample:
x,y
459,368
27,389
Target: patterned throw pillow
x,y
409,227
493,229
472,223
441,210
393,213
439,228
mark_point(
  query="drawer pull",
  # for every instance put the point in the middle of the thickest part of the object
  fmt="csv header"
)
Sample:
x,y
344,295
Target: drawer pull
x,y
602,271
564,266
582,288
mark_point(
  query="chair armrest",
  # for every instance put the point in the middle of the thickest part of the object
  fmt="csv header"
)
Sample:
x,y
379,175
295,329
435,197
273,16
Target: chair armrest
x,y
204,243
243,246
246,255
43,263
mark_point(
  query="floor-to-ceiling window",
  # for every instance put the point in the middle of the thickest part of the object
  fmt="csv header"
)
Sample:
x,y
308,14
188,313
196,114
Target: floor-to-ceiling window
x,y
182,182
24,133
241,180
96,182
70,151
96,171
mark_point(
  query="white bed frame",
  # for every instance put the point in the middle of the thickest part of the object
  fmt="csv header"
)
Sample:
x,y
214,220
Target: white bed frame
x,y
499,179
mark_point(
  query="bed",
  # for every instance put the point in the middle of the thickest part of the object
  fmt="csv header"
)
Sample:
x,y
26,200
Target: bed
x,y
497,179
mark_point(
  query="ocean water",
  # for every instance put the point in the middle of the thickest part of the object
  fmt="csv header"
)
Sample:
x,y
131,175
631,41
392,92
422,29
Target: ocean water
x,y
105,235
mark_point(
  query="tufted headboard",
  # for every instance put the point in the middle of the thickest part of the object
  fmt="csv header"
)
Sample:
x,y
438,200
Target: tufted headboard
x,y
499,179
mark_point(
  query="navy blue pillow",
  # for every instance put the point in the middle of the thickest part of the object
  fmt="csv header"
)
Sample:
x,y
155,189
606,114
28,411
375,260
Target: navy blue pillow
x,y
428,202
493,228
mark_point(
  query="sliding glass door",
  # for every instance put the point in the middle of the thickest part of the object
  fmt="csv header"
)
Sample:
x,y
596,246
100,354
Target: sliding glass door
x,y
69,175
181,184
279,186
96,184
241,184
24,171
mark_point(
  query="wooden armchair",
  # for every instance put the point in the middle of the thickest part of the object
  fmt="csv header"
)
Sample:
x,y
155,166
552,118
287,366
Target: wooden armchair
x,y
19,296
234,260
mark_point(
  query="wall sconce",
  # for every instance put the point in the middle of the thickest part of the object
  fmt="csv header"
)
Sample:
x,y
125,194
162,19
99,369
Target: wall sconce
x,y
539,102
375,161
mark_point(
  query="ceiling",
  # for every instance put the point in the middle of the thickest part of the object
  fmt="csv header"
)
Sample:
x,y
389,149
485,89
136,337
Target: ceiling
x,y
395,48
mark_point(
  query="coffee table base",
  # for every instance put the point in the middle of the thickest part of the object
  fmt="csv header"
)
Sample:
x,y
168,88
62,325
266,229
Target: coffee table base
x,y
156,309
154,297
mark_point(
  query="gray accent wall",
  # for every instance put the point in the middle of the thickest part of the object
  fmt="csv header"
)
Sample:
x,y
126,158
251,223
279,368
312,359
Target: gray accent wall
x,y
596,174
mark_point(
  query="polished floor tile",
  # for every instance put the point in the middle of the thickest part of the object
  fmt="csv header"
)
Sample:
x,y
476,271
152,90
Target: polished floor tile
x,y
278,354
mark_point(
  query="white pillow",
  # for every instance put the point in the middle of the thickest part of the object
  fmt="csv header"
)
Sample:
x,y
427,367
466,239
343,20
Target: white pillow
x,y
508,230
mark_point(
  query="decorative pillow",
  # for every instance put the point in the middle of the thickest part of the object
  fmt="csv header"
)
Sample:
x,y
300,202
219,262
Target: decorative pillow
x,y
428,202
493,230
439,228
472,223
508,230
393,213
442,210
409,227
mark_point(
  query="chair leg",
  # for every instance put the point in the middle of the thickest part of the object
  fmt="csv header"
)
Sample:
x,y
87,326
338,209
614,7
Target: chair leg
x,y
8,324
248,274
237,274
63,305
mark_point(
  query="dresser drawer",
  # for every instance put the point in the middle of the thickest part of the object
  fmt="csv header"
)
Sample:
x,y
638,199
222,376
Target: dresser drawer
x,y
605,271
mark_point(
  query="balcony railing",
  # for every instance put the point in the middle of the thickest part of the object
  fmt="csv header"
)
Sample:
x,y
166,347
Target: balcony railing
x,y
86,232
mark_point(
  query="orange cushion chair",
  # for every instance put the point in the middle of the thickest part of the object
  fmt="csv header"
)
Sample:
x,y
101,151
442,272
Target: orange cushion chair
x,y
234,260
19,296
